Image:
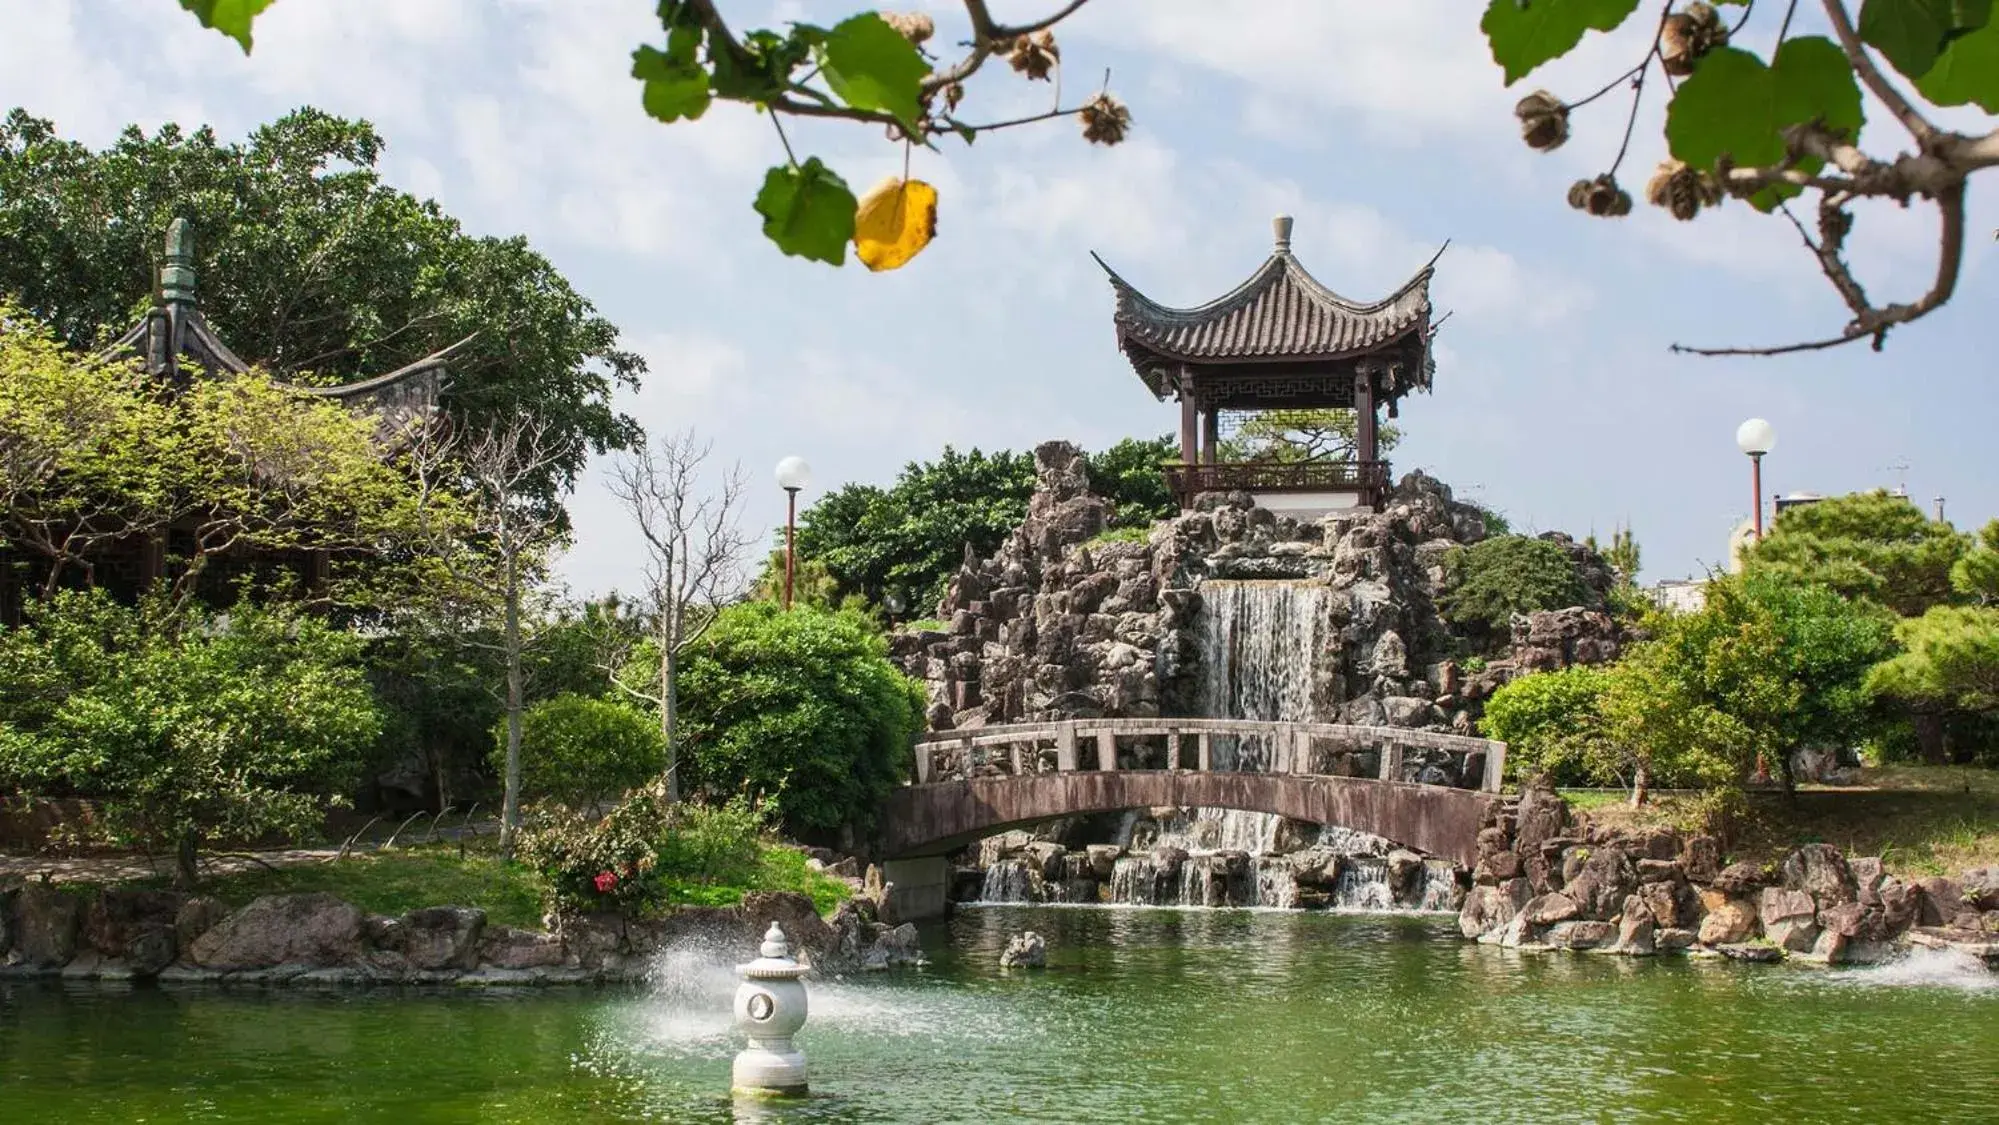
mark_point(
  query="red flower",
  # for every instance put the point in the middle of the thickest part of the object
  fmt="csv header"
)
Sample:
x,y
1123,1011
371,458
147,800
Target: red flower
x,y
605,880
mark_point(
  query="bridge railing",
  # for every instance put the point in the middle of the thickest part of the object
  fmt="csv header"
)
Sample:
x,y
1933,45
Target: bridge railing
x,y
1251,745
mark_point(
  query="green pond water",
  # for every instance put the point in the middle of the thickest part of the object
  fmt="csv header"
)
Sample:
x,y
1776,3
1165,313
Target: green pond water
x,y
1142,1015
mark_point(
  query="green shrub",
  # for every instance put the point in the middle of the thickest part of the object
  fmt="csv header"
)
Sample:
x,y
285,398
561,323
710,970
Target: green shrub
x,y
800,712
187,728
645,856
1488,582
1552,725
583,751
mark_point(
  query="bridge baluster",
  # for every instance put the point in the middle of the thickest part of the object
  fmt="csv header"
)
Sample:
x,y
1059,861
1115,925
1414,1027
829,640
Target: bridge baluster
x,y
1495,767
1173,750
1065,747
1205,749
1391,760
1107,751
1013,751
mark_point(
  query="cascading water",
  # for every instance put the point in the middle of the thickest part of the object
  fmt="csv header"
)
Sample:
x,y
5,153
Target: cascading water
x,y
1007,880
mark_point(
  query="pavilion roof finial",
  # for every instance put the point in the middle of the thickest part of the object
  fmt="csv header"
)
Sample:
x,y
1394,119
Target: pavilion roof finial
x,y
177,275
1281,227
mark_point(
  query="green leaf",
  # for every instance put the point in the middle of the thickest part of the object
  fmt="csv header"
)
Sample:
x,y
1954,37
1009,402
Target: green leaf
x,y
1526,33
1727,106
1968,71
1816,83
1912,34
230,17
676,86
870,66
808,211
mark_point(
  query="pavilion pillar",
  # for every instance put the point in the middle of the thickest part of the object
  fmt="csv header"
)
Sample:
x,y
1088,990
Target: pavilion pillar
x,y
1366,440
1190,423
1211,435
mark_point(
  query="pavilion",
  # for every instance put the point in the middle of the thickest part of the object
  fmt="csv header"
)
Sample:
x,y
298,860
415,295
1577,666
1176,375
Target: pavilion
x,y
1280,341
175,345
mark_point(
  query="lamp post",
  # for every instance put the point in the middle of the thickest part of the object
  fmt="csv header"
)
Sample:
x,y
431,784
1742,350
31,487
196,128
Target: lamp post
x,y
793,474
1756,437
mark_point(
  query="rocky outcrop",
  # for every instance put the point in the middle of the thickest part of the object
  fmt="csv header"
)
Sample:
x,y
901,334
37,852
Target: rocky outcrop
x,y
124,934
315,929
1052,627
1546,881
1025,950
1060,623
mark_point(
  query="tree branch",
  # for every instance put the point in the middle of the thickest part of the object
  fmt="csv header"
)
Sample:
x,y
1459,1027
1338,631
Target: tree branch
x,y
1869,322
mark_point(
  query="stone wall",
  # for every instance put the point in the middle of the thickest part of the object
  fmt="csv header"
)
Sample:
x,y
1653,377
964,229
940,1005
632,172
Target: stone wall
x,y
1547,881
126,934
1063,623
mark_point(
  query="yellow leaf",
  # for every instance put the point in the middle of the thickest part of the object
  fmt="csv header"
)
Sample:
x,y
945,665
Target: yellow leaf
x,y
894,222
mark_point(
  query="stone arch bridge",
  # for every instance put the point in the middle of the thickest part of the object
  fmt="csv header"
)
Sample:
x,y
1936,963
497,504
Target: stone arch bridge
x,y
1420,789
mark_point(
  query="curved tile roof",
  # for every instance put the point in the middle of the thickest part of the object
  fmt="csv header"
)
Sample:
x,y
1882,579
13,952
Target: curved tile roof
x,y
1280,312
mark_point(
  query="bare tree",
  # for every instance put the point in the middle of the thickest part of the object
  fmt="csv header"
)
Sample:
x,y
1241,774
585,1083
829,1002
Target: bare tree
x,y
489,559
693,566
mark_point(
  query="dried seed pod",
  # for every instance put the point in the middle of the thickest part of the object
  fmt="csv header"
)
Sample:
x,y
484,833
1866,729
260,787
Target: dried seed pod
x,y
1681,190
1035,55
1105,120
953,94
1688,35
1601,197
914,26
1544,121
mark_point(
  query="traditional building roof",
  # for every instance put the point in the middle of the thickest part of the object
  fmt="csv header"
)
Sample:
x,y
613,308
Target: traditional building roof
x,y
174,340
1280,314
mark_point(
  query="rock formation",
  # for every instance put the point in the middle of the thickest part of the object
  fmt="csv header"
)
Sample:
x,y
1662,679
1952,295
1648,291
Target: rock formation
x,y
1545,881
122,934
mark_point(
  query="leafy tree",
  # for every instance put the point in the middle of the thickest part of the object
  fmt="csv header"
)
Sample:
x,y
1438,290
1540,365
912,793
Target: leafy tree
x,y
1622,555
583,751
909,538
800,712
1948,675
1767,665
1737,124
1874,546
1303,435
1976,575
1488,582
310,266
1552,724
912,536
90,455
1128,475
187,728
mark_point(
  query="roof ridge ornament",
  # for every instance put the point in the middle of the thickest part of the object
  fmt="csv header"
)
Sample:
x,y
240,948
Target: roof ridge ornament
x,y
177,275
1281,227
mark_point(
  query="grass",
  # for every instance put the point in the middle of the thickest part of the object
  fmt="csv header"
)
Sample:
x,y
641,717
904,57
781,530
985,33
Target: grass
x,y
397,882
1921,820
781,869
923,625
1120,535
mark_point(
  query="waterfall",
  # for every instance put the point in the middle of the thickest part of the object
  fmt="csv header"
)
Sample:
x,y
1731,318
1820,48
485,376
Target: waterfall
x,y
1007,881
1363,885
1260,644
1440,888
1276,883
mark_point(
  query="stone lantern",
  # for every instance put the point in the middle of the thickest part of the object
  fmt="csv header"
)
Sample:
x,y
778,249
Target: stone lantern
x,y
770,1008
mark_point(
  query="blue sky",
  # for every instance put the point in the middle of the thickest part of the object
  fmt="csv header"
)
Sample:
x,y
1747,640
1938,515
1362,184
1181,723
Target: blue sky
x,y
1383,128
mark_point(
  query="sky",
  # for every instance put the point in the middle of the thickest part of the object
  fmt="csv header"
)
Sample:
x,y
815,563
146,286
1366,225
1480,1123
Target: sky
x,y
1384,129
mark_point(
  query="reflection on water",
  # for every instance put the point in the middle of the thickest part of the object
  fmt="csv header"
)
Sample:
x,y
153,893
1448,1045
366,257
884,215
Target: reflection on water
x,y
1141,1016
